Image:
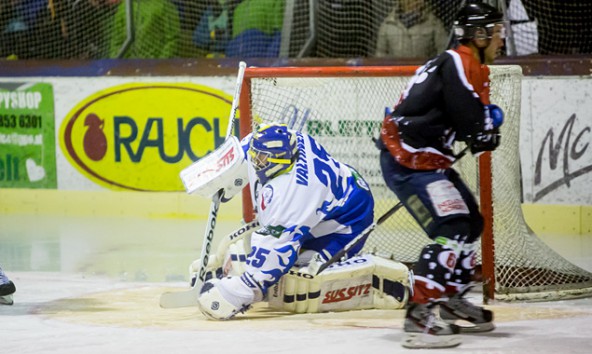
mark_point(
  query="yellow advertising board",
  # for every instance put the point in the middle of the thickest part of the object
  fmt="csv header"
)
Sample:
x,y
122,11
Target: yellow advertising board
x,y
139,136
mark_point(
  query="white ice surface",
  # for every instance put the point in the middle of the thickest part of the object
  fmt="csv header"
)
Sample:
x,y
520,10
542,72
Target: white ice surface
x,y
58,265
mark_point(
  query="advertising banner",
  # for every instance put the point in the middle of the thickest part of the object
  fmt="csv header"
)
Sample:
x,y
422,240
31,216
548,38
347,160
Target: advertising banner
x,y
556,140
27,135
138,133
139,136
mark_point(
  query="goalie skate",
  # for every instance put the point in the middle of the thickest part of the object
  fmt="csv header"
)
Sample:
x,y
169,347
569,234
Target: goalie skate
x,y
424,330
458,308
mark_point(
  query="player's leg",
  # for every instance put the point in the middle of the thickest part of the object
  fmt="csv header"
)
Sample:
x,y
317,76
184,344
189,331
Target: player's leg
x,y
459,285
440,210
271,257
425,195
449,214
466,261
7,288
354,218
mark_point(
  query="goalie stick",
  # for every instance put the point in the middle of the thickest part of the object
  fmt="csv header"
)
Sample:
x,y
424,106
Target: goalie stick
x,y
165,299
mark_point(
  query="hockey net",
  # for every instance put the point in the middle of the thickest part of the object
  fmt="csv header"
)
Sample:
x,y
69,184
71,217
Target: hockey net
x,y
343,107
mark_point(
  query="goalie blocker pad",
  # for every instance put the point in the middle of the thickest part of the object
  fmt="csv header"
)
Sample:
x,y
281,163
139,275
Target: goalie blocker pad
x,y
224,168
361,282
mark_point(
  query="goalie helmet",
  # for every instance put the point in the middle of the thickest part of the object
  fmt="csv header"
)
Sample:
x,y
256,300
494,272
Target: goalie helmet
x,y
272,151
476,21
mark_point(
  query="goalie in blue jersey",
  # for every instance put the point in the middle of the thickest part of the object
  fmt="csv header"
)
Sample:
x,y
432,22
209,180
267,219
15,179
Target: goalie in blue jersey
x,y
309,206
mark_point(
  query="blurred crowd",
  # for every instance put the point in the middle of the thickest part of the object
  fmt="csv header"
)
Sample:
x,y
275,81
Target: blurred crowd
x,y
96,29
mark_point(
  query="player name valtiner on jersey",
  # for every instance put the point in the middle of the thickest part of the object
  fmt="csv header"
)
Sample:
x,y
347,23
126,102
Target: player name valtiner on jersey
x,y
301,164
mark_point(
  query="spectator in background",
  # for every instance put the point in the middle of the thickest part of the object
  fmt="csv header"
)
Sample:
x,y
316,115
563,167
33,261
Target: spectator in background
x,y
411,30
17,20
214,30
345,29
73,29
157,30
563,26
524,29
189,12
87,21
256,29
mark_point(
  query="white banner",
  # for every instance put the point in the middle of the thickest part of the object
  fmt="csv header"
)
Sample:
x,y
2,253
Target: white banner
x,y
556,140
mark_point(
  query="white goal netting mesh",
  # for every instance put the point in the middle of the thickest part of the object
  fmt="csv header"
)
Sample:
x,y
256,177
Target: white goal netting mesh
x,y
344,111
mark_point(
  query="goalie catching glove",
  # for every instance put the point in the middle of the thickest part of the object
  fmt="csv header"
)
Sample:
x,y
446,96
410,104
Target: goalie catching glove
x,y
489,138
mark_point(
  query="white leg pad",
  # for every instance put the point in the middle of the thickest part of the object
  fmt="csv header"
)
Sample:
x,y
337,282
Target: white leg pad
x,y
362,282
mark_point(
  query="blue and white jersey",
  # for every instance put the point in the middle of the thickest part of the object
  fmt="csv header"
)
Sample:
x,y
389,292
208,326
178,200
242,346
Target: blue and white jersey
x,y
318,196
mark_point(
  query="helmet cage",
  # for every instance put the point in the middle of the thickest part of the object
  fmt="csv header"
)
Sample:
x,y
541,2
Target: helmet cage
x,y
486,31
262,159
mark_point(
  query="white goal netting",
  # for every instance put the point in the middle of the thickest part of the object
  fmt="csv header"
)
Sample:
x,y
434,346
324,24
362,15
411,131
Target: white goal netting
x,y
343,109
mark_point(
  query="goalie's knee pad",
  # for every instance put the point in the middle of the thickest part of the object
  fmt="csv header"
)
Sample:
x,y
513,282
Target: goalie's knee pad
x,y
362,282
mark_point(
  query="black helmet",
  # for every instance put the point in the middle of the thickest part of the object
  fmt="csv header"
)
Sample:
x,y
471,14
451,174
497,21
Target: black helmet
x,y
476,20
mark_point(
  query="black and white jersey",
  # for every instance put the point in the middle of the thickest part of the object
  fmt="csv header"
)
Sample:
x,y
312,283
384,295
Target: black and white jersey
x,y
443,102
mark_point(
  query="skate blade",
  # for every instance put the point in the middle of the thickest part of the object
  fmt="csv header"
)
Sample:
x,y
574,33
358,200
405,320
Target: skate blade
x,y
476,328
469,327
429,341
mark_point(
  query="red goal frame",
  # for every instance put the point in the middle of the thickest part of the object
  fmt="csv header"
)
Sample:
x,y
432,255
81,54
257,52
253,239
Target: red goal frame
x,y
485,162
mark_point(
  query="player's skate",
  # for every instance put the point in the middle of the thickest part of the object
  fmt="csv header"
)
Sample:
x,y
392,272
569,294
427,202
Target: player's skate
x,y
424,329
459,308
7,288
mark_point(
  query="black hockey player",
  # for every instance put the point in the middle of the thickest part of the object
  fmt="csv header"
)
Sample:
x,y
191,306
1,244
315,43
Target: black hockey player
x,y
447,100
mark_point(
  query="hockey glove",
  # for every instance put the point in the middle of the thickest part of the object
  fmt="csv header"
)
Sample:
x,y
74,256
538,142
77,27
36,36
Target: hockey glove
x,y
489,139
495,115
485,141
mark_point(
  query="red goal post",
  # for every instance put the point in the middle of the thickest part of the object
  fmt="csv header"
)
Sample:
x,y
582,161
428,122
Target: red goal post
x,y
343,107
